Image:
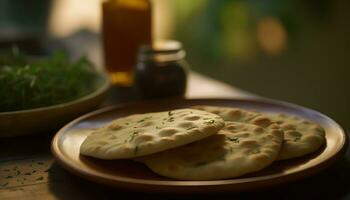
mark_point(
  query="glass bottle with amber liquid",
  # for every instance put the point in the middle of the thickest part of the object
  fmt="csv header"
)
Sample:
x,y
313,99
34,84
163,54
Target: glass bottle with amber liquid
x,y
126,25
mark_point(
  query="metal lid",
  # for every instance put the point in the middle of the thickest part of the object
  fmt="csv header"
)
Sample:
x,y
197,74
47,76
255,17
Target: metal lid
x,y
161,51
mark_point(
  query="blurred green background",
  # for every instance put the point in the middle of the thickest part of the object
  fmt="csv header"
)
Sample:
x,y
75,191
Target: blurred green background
x,y
297,51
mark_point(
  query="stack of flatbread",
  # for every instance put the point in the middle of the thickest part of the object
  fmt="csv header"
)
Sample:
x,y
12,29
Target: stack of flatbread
x,y
205,142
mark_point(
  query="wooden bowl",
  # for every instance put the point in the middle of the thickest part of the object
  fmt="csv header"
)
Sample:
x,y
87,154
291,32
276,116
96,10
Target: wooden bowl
x,y
38,120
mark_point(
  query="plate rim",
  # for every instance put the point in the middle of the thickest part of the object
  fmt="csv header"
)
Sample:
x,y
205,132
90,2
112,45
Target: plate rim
x,y
125,181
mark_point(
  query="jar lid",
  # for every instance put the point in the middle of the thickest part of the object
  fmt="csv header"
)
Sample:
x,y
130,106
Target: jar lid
x,y
162,51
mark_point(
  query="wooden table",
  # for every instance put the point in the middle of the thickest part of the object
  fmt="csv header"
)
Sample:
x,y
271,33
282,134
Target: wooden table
x,y
28,170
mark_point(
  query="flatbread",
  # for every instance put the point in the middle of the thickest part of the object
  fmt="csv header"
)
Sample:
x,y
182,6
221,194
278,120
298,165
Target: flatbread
x,y
239,115
144,134
237,149
301,137
230,113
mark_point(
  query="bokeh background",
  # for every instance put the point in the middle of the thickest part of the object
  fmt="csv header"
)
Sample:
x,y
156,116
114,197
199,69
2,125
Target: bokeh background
x,y
297,51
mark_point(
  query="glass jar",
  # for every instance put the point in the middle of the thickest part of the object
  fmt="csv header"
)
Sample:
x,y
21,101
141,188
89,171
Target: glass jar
x,y
161,70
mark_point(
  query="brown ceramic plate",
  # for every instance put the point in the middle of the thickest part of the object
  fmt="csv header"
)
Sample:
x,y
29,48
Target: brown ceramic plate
x,y
132,175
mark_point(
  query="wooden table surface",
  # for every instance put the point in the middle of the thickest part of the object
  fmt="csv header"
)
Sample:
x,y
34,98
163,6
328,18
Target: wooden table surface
x,y
29,171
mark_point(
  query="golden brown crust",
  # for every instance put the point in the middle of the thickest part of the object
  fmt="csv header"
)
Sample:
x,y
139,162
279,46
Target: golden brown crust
x,y
143,134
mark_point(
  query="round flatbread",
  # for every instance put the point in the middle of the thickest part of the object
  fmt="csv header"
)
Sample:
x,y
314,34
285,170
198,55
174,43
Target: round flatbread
x,y
235,150
230,113
143,134
239,115
301,137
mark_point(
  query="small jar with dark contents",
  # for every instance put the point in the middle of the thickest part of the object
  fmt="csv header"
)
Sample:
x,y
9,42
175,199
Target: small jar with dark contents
x,y
161,71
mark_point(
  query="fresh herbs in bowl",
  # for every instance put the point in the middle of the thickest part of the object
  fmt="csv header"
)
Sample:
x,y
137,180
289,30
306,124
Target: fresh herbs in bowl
x,y
27,83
